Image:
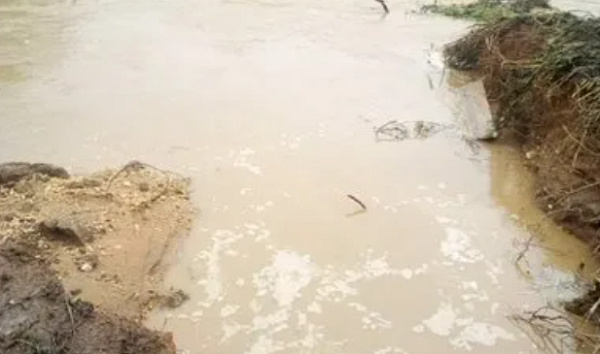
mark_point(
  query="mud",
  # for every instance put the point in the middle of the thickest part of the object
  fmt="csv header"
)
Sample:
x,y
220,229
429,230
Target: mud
x,y
11,173
70,242
107,233
38,315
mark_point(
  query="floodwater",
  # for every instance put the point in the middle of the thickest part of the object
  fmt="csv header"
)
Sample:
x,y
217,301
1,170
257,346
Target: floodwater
x,y
270,107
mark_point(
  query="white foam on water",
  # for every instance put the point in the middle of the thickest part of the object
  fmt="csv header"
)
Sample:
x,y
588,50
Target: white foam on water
x,y
457,247
390,350
241,160
314,307
419,328
229,310
444,220
406,273
230,330
482,334
464,332
288,273
265,345
443,321
221,242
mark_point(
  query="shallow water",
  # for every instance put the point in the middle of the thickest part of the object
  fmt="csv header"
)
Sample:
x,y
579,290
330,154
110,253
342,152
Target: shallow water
x,y
270,107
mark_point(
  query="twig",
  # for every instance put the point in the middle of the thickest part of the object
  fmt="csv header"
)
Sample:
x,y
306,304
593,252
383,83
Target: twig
x,y
383,4
29,344
70,311
523,252
430,82
381,128
128,166
164,324
362,205
549,328
592,310
580,143
162,192
567,195
137,165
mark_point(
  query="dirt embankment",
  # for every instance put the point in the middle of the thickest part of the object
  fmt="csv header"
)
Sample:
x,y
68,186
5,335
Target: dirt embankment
x,y
542,73
75,251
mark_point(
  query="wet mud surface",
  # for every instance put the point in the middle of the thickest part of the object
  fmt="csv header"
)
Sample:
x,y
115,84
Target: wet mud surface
x,y
107,233
81,258
38,315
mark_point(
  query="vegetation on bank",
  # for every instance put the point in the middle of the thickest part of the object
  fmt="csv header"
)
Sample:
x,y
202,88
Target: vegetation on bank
x,y
541,71
486,10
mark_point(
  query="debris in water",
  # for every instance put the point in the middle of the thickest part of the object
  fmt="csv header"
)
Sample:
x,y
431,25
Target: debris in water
x,y
362,205
384,5
398,131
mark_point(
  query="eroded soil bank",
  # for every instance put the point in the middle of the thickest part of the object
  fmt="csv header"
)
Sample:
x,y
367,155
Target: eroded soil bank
x,y
542,74
81,258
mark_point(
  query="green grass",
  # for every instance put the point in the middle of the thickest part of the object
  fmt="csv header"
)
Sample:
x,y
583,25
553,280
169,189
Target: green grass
x,y
486,10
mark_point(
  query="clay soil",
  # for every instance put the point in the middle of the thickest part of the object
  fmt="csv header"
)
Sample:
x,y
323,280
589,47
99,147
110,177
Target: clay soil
x,y
77,251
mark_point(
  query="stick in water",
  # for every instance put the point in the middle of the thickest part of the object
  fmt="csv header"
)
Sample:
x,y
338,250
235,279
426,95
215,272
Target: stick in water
x,y
385,8
362,205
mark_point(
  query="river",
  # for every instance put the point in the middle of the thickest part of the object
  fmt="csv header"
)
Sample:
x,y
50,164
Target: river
x,y
270,107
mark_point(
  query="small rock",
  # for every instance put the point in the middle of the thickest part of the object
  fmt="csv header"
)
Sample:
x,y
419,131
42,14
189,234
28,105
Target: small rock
x,y
88,258
86,267
530,155
174,299
144,187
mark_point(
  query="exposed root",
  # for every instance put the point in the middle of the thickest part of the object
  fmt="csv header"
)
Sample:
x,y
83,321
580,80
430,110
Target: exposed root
x,y
555,331
521,256
137,166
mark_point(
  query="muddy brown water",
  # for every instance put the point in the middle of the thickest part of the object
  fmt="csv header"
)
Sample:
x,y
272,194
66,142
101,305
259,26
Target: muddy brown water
x,y
270,107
